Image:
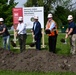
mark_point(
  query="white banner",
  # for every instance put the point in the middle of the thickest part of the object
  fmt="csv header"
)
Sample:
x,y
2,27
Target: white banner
x,y
30,12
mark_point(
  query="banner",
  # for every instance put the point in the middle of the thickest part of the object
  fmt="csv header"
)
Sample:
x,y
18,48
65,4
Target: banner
x,y
17,12
30,12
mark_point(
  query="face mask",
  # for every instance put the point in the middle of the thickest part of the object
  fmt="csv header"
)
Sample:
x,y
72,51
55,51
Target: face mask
x,y
20,21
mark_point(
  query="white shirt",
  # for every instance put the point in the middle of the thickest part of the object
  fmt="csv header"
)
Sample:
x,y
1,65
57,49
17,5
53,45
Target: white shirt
x,y
21,28
52,26
34,26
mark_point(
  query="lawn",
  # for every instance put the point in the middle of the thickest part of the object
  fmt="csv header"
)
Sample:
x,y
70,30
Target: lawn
x,y
60,47
35,73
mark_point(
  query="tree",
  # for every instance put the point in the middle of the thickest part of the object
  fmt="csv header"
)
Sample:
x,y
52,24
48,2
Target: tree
x,y
52,6
74,15
6,11
45,3
63,3
61,13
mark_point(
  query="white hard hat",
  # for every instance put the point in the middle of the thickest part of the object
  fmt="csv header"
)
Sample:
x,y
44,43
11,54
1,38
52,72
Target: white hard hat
x,y
70,17
35,17
50,15
20,18
1,19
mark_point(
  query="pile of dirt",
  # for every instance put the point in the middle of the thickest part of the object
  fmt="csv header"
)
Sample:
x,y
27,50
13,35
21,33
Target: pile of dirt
x,y
33,60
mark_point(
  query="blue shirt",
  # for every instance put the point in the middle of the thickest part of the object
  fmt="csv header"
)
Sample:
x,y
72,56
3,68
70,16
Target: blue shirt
x,y
52,26
72,25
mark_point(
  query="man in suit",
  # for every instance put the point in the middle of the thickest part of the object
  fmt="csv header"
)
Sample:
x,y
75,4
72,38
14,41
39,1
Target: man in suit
x,y
37,32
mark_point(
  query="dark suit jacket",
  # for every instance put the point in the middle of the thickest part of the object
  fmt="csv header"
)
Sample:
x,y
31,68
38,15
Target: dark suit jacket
x,y
37,31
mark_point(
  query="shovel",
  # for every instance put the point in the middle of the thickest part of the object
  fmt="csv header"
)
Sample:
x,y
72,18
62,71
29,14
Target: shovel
x,y
13,44
64,41
32,44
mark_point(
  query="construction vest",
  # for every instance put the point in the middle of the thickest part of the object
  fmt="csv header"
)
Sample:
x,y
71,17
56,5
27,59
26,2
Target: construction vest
x,y
54,31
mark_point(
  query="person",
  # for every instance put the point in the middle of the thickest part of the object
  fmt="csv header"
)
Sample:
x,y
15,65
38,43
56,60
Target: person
x,y
52,34
71,32
37,32
21,31
4,32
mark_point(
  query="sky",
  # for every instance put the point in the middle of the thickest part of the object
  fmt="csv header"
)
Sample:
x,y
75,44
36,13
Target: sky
x,y
73,1
21,2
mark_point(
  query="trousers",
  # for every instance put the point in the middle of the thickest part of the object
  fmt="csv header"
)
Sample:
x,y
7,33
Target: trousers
x,y
52,43
73,43
6,42
22,41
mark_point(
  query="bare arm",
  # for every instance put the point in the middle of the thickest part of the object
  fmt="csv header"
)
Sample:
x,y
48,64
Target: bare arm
x,y
71,30
3,30
67,30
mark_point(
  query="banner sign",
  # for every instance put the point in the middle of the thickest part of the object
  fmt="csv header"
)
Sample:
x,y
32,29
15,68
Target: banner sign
x,y
28,14
16,13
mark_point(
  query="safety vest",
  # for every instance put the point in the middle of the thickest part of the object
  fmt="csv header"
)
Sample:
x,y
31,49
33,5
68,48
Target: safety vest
x,y
54,31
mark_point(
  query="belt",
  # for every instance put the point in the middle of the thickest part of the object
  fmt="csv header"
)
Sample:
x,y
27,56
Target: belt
x,y
21,34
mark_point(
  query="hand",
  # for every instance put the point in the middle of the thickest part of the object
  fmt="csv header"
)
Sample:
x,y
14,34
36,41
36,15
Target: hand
x,y
66,36
47,31
16,30
31,30
0,32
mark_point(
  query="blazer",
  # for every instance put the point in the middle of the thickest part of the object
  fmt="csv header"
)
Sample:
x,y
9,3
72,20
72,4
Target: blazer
x,y
37,30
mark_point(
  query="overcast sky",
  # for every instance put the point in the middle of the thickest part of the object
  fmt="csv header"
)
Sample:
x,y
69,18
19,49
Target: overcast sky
x,y
21,2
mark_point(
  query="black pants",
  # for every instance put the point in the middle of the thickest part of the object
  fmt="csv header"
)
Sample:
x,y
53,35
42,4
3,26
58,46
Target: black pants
x,y
52,43
38,44
22,41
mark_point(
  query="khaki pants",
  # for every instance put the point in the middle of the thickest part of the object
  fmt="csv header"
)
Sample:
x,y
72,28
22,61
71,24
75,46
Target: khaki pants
x,y
73,43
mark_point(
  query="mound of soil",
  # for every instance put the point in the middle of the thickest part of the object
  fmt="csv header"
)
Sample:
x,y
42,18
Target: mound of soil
x,y
33,60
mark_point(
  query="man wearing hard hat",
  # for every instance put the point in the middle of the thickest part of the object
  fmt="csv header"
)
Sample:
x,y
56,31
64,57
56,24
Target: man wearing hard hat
x,y
71,32
51,26
21,31
4,32
37,32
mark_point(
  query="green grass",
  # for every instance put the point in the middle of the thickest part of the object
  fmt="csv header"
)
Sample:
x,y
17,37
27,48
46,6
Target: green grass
x,y
62,48
35,73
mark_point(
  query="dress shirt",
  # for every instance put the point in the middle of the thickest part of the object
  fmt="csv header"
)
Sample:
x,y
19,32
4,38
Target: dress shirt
x,y
21,28
34,25
52,25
